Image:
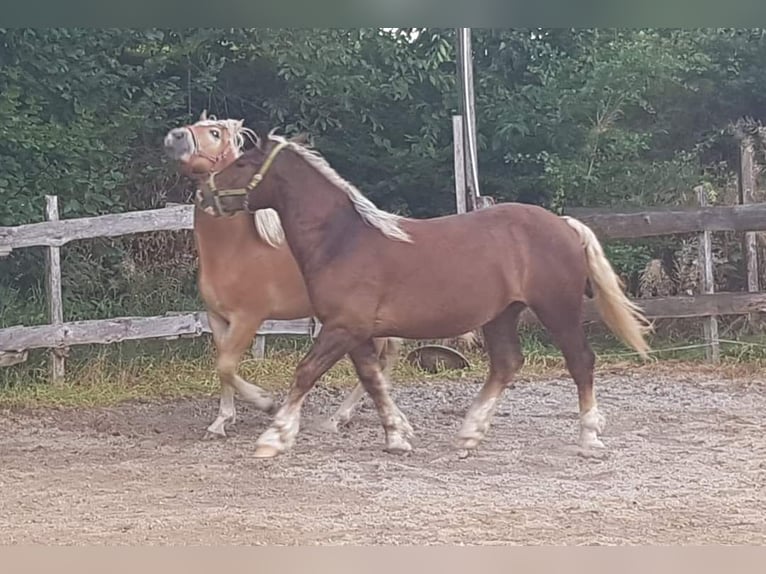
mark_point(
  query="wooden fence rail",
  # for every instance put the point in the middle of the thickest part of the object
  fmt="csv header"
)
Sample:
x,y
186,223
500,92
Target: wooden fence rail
x,y
59,233
650,223
607,224
16,341
118,329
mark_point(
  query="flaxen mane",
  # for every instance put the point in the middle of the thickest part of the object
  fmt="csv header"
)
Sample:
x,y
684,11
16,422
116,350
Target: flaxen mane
x,y
387,223
237,132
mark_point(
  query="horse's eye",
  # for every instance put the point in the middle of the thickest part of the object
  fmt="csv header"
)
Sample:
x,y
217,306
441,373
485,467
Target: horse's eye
x,y
216,134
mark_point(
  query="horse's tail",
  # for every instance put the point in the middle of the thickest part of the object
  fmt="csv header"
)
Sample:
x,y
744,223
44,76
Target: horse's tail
x,y
622,316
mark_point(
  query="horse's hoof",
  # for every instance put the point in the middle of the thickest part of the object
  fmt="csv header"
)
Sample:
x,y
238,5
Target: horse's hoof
x,y
272,408
592,444
591,451
266,451
467,443
329,426
213,433
397,450
398,445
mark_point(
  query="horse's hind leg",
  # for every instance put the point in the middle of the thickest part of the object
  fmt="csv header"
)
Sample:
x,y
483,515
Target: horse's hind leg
x,y
231,341
387,351
564,323
345,411
501,341
398,431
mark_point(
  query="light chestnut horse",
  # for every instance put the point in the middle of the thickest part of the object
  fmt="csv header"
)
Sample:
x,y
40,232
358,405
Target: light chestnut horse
x,y
372,274
247,273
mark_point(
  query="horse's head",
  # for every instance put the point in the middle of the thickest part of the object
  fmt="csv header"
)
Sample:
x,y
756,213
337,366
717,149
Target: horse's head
x,y
207,146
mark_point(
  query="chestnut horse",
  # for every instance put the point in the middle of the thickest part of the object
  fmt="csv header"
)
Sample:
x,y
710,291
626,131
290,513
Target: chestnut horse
x,y
246,271
371,274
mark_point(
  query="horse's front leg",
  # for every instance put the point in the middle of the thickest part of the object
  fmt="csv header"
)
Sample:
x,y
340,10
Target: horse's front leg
x,y
395,424
387,352
328,348
231,340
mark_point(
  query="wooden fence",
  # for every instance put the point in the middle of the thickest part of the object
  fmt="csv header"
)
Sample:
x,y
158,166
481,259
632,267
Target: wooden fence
x,y
59,335
705,219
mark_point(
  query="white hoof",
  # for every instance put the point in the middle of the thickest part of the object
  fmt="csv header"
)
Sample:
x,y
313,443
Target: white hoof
x,y
273,440
329,426
404,424
257,397
594,420
217,429
591,443
591,425
467,443
397,444
266,451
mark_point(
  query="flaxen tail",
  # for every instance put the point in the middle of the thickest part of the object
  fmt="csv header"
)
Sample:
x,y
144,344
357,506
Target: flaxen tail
x,y
622,316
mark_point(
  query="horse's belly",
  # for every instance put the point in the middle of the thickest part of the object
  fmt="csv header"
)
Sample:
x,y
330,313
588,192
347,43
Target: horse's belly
x,y
435,316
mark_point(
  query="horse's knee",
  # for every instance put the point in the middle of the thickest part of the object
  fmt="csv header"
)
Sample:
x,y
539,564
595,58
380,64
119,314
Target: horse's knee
x,y
226,365
368,372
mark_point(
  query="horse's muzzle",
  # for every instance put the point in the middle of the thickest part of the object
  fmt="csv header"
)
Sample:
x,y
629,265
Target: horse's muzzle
x,y
179,144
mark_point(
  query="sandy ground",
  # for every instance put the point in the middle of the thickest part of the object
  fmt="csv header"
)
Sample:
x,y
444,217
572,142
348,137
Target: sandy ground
x,y
685,463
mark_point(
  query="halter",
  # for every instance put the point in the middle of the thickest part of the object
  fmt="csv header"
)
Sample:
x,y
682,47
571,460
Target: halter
x,y
203,154
211,193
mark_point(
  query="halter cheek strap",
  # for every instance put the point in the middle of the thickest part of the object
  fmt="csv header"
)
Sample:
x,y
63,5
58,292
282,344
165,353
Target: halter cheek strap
x,y
203,154
216,194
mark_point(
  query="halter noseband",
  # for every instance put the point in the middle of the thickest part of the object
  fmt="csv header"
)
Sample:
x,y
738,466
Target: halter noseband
x,y
209,192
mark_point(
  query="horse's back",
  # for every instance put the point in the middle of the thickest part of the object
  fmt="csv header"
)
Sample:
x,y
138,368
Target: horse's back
x,y
516,222
525,244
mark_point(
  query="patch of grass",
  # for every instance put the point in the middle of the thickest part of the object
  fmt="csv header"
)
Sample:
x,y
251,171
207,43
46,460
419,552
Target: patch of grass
x,y
162,370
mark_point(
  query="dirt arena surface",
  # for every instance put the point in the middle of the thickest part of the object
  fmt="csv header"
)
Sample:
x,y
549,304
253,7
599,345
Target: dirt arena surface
x,y
686,464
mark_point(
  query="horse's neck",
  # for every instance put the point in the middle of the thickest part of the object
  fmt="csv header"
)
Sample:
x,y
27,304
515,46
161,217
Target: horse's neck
x,y
319,221
222,233
215,235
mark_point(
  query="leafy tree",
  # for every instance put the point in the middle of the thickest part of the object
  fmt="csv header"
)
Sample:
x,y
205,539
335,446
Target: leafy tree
x,y
565,117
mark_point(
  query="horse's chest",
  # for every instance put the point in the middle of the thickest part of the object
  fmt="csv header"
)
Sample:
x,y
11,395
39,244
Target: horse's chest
x,y
213,294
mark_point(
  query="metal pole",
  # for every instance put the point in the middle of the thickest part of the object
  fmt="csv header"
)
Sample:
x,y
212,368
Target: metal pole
x,y
458,143
465,83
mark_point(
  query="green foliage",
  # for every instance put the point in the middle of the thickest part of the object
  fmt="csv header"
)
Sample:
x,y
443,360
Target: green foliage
x,y
566,118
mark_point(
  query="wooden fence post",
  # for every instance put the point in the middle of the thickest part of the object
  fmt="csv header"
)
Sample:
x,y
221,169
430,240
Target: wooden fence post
x,y
259,347
459,152
468,113
55,299
707,284
747,185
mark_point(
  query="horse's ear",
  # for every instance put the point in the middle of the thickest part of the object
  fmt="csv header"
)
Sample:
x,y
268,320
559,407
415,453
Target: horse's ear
x,y
300,139
203,116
